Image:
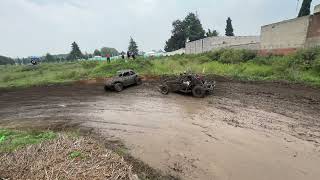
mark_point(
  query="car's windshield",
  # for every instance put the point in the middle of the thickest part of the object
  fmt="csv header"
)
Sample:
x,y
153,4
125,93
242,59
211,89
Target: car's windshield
x,y
119,74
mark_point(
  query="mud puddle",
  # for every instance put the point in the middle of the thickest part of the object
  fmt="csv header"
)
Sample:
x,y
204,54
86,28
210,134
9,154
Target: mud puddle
x,y
244,131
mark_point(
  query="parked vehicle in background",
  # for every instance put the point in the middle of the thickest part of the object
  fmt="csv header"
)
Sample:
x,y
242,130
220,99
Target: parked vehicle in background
x,y
34,60
122,79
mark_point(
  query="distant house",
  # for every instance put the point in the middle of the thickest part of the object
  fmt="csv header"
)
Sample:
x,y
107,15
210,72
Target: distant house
x,y
154,53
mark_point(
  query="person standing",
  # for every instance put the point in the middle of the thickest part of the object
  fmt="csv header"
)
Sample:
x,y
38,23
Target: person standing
x,y
128,54
122,55
133,56
108,58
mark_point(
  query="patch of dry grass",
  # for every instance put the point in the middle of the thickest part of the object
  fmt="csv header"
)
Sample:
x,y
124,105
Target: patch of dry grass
x,y
65,158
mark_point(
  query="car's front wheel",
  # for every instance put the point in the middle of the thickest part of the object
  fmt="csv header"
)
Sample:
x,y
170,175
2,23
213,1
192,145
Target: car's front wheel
x,y
138,81
118,87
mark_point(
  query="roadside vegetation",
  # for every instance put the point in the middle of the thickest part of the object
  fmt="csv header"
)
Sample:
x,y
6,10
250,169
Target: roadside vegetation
x,y
49,155
6,60
11,140
300,67
37,154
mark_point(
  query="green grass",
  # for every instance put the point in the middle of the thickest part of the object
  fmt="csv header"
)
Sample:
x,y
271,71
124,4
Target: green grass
x,y
301,67
76,154
11,140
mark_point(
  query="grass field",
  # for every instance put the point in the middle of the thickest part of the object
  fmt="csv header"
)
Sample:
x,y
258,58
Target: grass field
x,y
301,67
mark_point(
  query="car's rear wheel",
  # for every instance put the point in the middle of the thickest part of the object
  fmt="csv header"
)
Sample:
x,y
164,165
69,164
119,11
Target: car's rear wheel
x,y
164,89
198,91
118,87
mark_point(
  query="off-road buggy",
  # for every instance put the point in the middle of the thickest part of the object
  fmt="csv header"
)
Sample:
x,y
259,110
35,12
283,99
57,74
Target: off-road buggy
x,y
122,79
188,83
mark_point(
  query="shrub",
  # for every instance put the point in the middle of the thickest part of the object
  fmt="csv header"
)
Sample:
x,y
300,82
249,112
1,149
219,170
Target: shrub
x,y
232,56
215,55
89,64
203,59
305,57
71,75
316,64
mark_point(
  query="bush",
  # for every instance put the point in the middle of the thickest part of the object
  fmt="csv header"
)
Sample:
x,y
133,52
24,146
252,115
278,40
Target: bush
x,y
232,56
215,55
6,60
305,58
316,65
71,75
89,64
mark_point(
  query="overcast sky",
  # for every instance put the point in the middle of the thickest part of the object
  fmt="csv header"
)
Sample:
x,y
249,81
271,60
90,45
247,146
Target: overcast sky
x,y
35,27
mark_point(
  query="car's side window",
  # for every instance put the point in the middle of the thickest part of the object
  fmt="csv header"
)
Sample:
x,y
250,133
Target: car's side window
x,y
120,75
132,73
126,74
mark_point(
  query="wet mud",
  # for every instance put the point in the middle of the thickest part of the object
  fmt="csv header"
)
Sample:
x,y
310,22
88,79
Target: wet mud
x,y
242,131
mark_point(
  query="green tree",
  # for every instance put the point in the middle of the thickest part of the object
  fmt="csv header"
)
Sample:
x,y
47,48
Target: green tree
x,y
212,33
133,47
190,28
49,58
18,61
305,8
107,50
178,37
97,53
75,52
6,60
229,28
193,27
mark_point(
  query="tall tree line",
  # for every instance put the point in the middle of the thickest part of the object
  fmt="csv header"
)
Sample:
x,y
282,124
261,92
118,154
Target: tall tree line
x,y
6,60
229,27
190,28
305,8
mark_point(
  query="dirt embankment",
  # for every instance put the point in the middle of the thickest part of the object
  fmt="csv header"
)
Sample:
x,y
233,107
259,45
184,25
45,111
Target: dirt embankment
x,y
243,131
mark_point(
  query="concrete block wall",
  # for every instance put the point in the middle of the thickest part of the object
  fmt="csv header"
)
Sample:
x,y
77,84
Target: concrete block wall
x,y
212,43
286,34
317,9
278,38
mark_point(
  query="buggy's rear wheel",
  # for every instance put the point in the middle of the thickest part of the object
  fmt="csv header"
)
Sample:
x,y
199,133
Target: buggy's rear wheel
x,y
106,88
198,91
118,87
164,89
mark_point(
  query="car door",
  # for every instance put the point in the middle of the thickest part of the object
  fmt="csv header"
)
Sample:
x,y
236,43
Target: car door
x,y
133,76
126,79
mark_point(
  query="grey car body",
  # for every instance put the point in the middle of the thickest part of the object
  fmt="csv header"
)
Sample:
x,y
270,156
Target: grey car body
x,y
122,79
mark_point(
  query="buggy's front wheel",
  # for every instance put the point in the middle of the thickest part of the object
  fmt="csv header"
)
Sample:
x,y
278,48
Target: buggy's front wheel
x,y
164,89
106,88
198,91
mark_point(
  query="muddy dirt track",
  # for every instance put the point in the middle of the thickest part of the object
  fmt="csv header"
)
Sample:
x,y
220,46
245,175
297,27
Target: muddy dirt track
x,y
244,131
